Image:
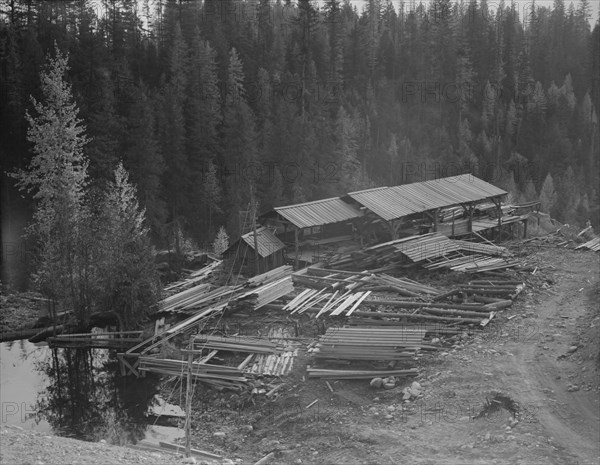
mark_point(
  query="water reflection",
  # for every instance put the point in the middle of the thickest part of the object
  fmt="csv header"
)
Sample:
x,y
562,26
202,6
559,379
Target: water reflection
x,y
87,398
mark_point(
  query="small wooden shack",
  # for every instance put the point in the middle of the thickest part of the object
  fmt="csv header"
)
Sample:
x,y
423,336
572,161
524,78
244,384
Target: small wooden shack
x,y
267,249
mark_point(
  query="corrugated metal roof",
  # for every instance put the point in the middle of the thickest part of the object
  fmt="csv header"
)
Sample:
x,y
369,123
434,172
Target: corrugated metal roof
x,y
394,202
319,212
383,201
267,242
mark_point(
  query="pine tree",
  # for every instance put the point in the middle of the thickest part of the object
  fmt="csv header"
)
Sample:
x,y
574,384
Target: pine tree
x,y
203,119
239,136
105,128
333,19
145,161
204,102
346,152
548,195
126,259
173,134
221,242
57,177
211,193
393,157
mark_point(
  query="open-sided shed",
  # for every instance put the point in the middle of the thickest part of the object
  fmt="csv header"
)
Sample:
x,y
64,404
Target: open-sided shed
x,y
395,204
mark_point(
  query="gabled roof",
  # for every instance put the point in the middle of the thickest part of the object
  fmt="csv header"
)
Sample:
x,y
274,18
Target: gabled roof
x,y
395,202
267,242
319,212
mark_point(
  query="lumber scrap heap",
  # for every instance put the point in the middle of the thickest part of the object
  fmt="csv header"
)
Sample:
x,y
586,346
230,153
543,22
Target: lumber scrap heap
x,y
593,244
200,303
431,251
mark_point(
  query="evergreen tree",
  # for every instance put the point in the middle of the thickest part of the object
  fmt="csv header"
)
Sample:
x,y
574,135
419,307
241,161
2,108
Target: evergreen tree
x,y
203,118
239,140
173,134
548,195
145,161
221,242
57,177
126,259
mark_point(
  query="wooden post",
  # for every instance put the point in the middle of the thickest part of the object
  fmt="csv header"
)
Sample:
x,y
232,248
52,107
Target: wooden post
x,y
296,247
188,403
435,219
253,213
394,227
470,218
499,213
453,224
525,221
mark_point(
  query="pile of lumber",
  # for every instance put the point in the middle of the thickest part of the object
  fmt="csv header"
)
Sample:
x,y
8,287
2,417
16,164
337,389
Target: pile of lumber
x,y
197,297
593,244
335,302
270,276
325,373
330,279
219,376
183,298
236,344
193,277
476,302
260,296
264,288
402,286
272,364
368,343
433,251
475,263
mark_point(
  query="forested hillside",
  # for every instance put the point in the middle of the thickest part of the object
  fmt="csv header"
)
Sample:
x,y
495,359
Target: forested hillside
x,y
304,100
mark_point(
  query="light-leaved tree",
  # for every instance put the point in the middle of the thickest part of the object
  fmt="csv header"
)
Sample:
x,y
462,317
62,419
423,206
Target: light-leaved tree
x,y
57,177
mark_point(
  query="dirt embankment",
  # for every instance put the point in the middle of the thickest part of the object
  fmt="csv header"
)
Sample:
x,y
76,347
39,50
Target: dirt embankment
x,y
19,311
524,391
21,447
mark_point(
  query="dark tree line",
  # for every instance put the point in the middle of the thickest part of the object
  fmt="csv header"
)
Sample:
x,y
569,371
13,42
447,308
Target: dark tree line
x,y
203,101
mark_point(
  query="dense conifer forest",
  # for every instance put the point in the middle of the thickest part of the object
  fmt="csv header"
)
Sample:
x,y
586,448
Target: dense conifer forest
x,y
203,102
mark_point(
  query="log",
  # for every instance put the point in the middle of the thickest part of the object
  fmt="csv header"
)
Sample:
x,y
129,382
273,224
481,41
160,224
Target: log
x,y
439,311
445,295
405,304
46,333
409,316
266,459
499,305
18,334
178,448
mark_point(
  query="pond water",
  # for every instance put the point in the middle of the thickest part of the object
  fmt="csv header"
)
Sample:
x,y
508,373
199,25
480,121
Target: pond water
x,y
79,393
